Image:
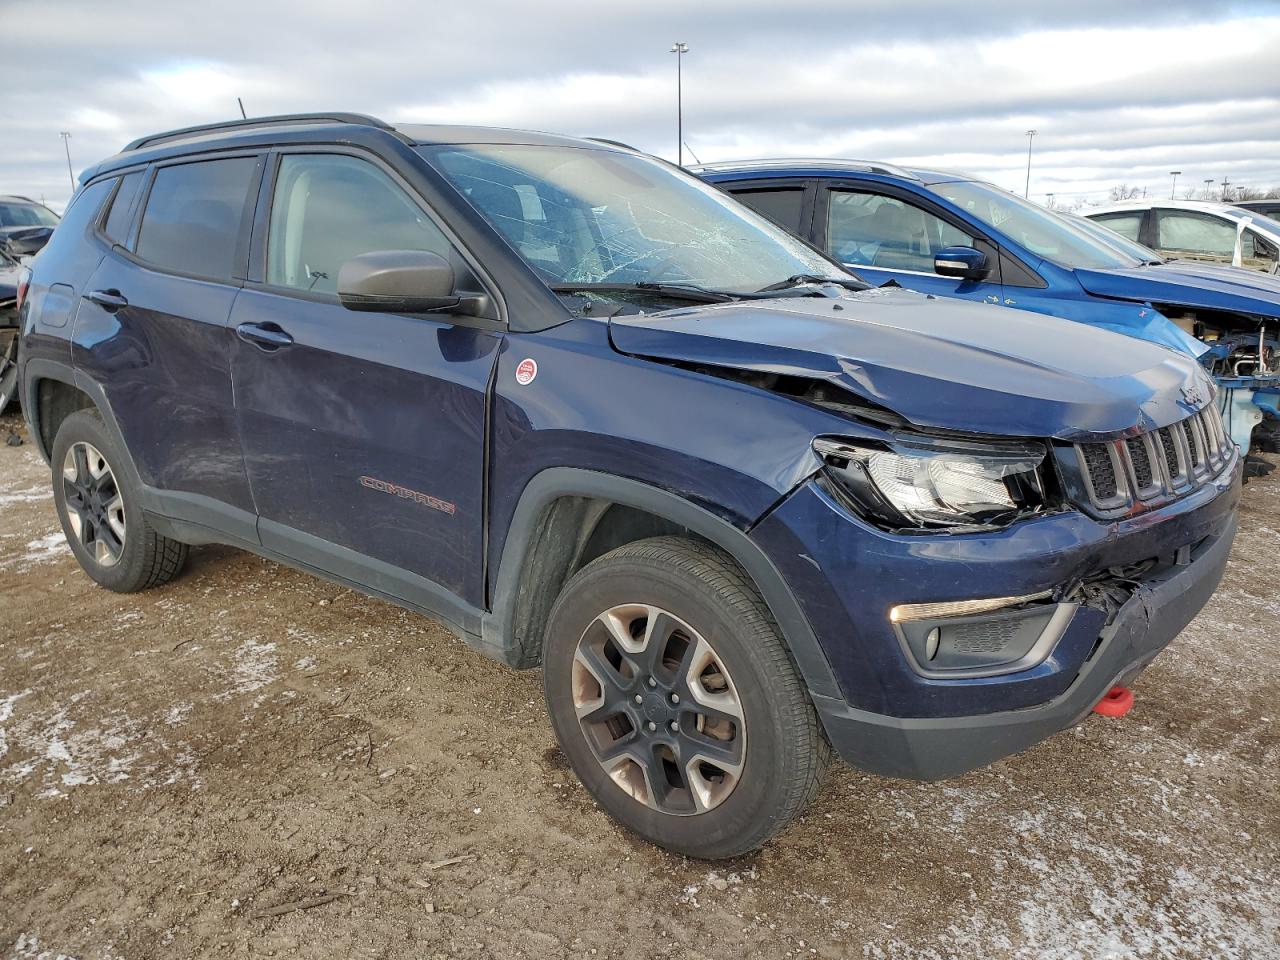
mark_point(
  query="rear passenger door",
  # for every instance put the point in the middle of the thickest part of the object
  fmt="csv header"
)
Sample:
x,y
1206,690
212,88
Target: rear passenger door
x,y
883,235
364,433
152,330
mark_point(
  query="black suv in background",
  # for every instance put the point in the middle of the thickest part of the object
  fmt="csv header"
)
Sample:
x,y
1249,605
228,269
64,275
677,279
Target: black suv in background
x,y
595,415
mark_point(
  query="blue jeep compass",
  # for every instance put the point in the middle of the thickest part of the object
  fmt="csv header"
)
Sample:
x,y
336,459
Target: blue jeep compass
x,y
598,417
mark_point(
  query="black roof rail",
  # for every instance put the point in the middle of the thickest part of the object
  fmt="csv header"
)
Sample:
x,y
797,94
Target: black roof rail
x,y
285,118
613,143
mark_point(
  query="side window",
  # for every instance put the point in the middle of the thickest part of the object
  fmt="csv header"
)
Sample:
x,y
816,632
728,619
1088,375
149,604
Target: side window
x,y
118,220
872,230
329,208
783,206
1126,224
194,216
1195,234
1257,251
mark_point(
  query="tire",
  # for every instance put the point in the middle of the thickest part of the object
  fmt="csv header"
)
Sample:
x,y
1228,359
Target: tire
x,y
670,631
100,513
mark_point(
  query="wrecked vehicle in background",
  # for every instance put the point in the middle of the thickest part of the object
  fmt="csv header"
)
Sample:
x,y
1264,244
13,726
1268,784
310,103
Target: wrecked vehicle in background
x,y
1197,230
25,227
951,235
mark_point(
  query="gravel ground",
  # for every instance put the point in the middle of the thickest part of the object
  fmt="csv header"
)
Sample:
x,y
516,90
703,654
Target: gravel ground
x,y
174,764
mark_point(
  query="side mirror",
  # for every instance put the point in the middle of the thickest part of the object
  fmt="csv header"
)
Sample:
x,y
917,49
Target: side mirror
x,y
963,263
397,281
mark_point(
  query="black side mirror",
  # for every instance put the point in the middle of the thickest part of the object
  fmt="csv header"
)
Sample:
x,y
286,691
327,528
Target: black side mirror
x,y
397,281
963,263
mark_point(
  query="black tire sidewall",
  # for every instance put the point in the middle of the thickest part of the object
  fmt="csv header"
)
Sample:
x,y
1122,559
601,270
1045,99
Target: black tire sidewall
x,y
130,571
749,815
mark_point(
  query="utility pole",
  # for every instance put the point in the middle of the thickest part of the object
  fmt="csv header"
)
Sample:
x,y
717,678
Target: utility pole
x,y
1226,186
66,142
1173,191
243,115
679,49
1026,190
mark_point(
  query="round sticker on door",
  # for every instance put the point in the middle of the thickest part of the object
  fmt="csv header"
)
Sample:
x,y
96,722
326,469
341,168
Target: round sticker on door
x,y
526,371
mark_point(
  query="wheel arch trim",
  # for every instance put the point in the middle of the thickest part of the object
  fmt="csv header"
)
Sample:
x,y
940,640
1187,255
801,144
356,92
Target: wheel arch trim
x,y
499,625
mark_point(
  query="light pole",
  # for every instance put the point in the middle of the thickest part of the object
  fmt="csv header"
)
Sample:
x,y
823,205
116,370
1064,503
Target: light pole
x,y
679,49
1051,201
1208,182
1026,190
1173,191
66,142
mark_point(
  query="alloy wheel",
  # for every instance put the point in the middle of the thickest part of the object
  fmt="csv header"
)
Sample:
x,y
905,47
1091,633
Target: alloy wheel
x,y
95,507
659,709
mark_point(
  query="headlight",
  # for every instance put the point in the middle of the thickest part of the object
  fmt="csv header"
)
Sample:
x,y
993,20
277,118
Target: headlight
x,y
925,482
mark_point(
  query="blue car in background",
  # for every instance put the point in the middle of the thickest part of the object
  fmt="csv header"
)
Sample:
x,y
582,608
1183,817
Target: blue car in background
x,y
954,236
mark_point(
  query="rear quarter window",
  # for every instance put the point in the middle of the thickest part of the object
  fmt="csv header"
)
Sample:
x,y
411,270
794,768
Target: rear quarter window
x,y
195,217
120,215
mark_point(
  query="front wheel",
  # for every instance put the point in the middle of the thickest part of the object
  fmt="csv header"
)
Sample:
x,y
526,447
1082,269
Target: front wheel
x,y
676,701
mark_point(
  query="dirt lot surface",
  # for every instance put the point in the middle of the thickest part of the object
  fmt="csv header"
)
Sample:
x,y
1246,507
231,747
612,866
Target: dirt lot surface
x,y
174,764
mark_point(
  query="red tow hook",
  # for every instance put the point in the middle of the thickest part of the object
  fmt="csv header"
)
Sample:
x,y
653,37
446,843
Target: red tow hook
x,y
1117,702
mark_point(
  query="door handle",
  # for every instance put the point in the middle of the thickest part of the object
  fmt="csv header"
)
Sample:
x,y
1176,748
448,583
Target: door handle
x,y
264,336
109,300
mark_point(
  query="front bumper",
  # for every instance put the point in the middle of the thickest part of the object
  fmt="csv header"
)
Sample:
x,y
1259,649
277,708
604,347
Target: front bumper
x,y
936,748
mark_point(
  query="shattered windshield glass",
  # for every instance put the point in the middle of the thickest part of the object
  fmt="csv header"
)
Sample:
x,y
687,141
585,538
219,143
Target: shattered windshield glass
x,y
585,216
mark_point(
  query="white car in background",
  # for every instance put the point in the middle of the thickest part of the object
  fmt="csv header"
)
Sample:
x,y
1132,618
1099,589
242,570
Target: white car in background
x,y
1196,230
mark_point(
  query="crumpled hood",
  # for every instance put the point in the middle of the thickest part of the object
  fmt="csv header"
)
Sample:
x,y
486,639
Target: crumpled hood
x,y
939,363
1191,284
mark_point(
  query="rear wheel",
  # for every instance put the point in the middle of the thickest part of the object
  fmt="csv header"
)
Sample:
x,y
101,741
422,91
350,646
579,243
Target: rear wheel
x,y
676,701
101,517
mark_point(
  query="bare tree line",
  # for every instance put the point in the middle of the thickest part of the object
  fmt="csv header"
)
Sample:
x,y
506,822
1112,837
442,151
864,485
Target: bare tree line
x,y
1228,194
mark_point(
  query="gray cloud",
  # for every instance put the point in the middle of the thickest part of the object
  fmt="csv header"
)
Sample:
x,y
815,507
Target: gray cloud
x,y
1117,92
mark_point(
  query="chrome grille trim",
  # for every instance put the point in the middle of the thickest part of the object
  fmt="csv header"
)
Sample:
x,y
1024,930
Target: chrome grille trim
x,y
1165,463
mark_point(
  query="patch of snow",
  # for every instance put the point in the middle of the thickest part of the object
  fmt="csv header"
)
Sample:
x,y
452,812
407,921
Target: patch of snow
x,y
44,549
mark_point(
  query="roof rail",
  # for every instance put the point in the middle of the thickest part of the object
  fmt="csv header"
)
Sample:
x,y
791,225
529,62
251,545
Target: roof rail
x,y
286,118
612,143
870,166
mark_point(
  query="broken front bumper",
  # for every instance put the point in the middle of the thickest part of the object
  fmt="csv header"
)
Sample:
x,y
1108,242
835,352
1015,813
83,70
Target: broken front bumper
x,y
936,748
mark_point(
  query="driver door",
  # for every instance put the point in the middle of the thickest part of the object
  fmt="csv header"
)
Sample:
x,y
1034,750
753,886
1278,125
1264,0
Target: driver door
x,y
363,433
882,237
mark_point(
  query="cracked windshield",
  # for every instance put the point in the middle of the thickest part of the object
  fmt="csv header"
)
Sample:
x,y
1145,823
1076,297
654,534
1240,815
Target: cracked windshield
x,y
588,219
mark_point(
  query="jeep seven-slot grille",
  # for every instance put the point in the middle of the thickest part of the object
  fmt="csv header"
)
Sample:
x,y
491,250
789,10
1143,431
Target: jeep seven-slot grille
x,y
1168,462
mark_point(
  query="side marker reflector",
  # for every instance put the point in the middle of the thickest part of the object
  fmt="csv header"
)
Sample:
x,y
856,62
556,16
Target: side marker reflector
x,y
1117,702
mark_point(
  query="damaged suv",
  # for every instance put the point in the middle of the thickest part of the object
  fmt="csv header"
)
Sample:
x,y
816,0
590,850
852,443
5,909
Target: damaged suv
x,y
594,415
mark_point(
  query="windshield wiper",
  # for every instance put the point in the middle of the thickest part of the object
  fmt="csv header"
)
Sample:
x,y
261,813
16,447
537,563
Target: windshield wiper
x,y
681,291
800,279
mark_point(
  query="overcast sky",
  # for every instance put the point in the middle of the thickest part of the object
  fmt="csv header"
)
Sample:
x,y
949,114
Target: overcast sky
x,y
1118,91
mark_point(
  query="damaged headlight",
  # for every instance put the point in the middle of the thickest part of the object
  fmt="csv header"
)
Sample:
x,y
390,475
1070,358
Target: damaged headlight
x,y
929,483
